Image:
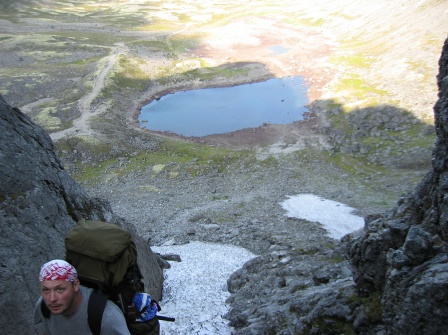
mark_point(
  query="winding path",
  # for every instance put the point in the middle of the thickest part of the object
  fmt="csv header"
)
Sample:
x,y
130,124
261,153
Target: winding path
x,y
81,125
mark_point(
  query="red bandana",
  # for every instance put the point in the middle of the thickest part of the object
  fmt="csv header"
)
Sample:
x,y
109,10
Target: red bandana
x,y
57,270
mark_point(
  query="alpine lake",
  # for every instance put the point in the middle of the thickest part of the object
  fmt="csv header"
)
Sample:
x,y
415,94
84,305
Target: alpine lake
x,y
209,111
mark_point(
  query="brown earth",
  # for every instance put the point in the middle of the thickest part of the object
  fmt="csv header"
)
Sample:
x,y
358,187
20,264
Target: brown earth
x,y
356,52
306,51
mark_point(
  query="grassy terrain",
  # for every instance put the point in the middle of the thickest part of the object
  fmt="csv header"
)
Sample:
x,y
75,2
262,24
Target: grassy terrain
x,y
52,53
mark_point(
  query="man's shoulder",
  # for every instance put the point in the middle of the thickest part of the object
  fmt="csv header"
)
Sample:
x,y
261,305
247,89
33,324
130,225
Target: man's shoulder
x,y
114,320
111,317
112,308
109,308
85,290
38,311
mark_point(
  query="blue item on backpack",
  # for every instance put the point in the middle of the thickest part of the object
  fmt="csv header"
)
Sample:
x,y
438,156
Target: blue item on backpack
x,y
146,308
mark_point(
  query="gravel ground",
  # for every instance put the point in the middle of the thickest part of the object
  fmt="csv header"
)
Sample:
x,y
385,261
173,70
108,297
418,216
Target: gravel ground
x,y
354,53
240,206
201,280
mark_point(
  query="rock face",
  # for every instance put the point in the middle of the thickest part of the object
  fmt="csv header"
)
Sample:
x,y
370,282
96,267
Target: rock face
x,y
39,204
396,278
403,254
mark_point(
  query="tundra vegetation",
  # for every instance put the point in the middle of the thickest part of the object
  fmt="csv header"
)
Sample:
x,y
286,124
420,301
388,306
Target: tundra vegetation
x,y
82,70
53,54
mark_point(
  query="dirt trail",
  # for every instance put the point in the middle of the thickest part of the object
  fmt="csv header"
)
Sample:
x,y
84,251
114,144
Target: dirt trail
x,y
81,125
356,52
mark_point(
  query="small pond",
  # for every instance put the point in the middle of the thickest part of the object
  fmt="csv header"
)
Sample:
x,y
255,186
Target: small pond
x,y
226,109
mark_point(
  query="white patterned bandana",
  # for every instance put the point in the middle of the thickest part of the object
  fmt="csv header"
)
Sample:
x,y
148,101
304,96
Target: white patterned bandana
x,y
57,270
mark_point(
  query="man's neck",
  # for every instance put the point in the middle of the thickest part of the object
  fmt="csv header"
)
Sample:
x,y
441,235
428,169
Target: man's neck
x,y
76,302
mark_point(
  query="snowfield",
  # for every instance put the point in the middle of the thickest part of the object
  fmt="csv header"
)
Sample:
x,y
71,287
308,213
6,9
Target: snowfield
x,y
195,289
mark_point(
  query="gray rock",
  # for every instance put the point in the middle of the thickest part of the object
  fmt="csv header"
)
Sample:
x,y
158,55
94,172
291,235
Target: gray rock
x,y
39,204
407,247
171,257
399,262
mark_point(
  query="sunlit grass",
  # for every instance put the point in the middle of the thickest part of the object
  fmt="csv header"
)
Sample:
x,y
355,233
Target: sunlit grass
x,y
158,25
47,119
355,60
126,74
171,157
312,22
354,86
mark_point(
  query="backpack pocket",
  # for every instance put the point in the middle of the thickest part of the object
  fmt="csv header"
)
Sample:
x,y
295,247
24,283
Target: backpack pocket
x,y
150,327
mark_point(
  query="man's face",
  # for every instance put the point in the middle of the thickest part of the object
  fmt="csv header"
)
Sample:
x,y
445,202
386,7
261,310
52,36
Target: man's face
x,y
59,296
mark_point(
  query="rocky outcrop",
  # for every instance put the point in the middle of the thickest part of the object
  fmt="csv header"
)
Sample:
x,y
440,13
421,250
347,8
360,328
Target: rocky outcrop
x,y
383,134
396,278
403,255
39,204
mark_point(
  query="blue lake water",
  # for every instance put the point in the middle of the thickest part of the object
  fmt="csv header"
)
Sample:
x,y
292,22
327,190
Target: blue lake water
x,y
278,49
226,109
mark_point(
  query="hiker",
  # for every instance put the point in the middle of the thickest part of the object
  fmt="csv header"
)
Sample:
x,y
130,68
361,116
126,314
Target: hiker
x,y
67,301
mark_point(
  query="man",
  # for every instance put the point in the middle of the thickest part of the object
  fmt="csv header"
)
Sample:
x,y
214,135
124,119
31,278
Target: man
x,y
67,302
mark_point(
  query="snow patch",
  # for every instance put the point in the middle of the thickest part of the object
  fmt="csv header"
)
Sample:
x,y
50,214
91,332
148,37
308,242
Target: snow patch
x,y
334,216
195,289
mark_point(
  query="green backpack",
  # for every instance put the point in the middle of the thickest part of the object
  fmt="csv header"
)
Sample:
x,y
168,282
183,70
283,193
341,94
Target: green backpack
x,y
105,257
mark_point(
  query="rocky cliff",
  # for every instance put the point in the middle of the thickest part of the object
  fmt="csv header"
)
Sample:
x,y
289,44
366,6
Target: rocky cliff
x,y
403,254
396,278
398,263
39,203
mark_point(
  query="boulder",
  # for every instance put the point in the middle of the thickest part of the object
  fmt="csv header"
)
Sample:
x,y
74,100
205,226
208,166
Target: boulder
x,y
39,204
395,279
403,255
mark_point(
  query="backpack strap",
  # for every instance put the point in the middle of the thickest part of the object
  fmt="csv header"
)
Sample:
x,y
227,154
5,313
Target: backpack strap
x,y
95,310
45,311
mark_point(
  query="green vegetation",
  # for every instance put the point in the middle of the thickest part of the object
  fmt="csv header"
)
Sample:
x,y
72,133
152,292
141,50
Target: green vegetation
x,y
371,306
179,45
156,25
48,120
61,59
356,173
312,22
4,38
415,134
355,60
358,88
308,252
358,45
90,39
329,326
183,18
202,154
336,326
209,73
156,45
127,74
171,158
420,68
